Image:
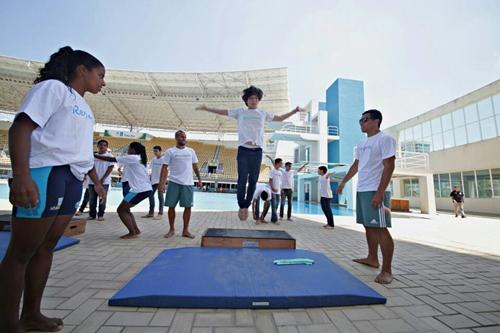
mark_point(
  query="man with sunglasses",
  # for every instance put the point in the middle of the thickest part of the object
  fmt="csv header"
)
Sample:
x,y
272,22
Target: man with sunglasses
x,y
374,164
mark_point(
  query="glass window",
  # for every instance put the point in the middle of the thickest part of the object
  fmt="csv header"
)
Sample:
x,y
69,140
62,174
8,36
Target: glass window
x,y
437,190
426,129
496,103
407,187
436,125
460,136
446,121
470,113
469,184
498,123
484,183
448,139
444,183
437,142
488,129
495,175
409,134
415,188
458,118
456,180
401,136
485,108
417,132
473,132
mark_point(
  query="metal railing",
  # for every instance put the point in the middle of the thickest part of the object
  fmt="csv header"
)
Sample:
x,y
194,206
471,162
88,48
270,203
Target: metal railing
x,y
412,160
309,129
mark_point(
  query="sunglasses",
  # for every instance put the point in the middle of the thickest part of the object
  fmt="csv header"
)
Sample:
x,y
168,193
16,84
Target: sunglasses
x,y
364,120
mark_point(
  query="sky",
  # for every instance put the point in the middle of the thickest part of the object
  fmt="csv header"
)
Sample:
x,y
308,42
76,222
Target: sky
x,y
413,56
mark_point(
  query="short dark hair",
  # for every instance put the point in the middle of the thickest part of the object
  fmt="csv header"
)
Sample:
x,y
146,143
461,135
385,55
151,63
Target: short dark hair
x,y
252,91
179,132
264,195
157,147
323,168
278,160
102,140
288,164
374,114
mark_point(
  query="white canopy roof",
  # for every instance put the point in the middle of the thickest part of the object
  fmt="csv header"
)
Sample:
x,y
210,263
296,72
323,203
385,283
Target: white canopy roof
x,y
156,99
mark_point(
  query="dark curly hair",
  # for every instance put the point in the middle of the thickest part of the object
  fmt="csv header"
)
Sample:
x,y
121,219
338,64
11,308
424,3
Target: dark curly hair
x,y
63,64
252,91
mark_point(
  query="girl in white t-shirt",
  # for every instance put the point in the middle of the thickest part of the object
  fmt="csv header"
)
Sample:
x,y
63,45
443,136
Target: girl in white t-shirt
x,y
135,162
50,144
326,196
251,121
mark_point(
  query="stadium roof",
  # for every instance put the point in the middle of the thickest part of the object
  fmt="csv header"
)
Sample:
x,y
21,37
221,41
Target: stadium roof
x,y
157,99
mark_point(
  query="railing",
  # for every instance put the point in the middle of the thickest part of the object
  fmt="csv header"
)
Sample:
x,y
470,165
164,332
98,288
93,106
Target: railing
x,y
412,160
332,130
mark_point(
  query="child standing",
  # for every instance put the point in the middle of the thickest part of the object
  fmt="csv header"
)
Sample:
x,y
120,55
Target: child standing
x,y
326,196
50,144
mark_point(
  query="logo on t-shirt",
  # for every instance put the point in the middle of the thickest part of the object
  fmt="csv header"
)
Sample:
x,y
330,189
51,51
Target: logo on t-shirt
x,y
81,113
59,203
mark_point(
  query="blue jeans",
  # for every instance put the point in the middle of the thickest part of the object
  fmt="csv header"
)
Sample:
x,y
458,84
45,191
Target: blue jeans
x,y
275,202
249,160
161,201
93,198
256,211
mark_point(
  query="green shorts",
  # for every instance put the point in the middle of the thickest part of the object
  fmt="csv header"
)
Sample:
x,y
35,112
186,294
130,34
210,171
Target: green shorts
x,y
369,216
177,193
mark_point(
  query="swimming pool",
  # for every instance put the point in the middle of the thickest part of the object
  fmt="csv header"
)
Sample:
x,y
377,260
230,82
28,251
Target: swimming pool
x,y
207,201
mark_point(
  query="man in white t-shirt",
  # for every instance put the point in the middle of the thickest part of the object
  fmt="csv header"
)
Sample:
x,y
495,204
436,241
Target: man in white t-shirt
x,y
251,121
275,183
262,192
374,163
179,163
103,170
155,167
287,186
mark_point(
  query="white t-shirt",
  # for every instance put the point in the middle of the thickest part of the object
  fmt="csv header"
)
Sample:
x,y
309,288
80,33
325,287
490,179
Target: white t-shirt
x,y
124,177
137,174
66,127
325,190
262,188
287,179
156,164
101,167
180,165
370,153
250,126
276,175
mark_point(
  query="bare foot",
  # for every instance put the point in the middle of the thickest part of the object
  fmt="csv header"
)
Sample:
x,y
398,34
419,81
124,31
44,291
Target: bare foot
x,y
78,213
384,278
169,234
41,323
244,214
129,236
147,216
258,222
240,214
187,234
327,226
367,262
263,221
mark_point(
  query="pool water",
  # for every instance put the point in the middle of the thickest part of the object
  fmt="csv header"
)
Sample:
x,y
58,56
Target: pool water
x,y
207,201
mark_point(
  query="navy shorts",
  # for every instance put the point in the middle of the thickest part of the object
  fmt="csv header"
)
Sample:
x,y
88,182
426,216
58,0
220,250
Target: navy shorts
x,y
134,198
60,193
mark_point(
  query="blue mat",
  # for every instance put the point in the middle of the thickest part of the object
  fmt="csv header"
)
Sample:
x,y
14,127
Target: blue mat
x,y
242,278
64,242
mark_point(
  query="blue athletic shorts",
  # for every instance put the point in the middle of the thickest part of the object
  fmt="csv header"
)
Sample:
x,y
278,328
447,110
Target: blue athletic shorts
x,y
60,193
134,198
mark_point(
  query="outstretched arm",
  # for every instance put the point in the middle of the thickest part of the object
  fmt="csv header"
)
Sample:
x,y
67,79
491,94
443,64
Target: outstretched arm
x,y
105,158
282,117
222,112
270,159
302,167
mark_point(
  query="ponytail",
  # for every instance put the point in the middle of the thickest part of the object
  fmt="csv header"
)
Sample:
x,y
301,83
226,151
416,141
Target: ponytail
x,y
140,150
62,65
